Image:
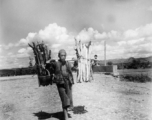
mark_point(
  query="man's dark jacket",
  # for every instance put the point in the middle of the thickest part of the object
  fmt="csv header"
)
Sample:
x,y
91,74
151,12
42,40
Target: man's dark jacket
x,y
58,73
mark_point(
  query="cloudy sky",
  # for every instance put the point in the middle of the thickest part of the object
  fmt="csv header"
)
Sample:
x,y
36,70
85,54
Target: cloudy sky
x,y
126,25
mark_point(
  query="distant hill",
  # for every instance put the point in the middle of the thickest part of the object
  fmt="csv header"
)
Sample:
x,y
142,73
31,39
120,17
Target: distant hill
x,y
114,61
149,59
117,61
127,60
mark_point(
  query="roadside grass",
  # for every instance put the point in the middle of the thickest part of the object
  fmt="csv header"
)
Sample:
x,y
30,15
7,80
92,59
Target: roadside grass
x,y
136,75
141,78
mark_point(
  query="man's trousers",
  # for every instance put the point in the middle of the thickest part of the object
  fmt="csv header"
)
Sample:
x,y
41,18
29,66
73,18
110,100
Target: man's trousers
x,y
65,93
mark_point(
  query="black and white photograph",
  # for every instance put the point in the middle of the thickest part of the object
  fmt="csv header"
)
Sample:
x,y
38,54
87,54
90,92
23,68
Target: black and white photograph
x,y
75,59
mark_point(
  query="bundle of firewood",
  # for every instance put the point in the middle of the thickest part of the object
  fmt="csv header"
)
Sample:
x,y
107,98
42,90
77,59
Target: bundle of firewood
x,y
42,55
84,61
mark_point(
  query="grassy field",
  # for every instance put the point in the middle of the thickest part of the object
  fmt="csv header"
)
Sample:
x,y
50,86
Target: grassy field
x,y
135,71
136,75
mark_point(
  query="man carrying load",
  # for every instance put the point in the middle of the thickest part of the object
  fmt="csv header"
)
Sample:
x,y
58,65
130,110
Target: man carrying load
x,y
64,81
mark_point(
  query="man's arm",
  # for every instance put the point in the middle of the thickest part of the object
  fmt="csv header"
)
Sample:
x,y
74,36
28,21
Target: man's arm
x,y
70,72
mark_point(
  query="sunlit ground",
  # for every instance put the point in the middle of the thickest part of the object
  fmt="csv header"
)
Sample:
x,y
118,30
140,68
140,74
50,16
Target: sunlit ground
x,y
104,98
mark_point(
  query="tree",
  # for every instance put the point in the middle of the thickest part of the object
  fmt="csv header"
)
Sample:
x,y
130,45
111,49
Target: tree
x,y
30,62
109,63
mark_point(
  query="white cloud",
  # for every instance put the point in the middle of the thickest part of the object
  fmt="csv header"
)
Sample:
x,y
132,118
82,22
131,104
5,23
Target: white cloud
x,y
131,33
90,34
22,42
56,45
58,37
22,50
114,34
54,36
10,53
135,43
142,31
0,49
150,8
100,36
10,45
22,55
121,43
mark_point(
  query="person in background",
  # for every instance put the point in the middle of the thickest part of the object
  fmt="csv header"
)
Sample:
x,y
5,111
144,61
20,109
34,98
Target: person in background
x,y
64,81
95,60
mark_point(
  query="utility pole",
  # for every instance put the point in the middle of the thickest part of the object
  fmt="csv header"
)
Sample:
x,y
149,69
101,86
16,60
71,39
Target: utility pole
x,y
105,62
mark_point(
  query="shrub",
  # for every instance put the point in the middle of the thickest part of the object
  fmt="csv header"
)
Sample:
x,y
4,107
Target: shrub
x,y
109,63
136,78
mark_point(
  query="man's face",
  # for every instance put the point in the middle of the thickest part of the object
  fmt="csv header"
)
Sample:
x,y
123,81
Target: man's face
x,y
95,57
62,56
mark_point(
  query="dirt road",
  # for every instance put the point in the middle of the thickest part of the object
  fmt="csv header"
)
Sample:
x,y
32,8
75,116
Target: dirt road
x,y
106,98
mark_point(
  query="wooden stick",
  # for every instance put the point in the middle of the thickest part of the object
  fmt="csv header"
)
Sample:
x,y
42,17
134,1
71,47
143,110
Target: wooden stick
x,y
40,54
43,52
36,53
49,54
46,52
36,58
